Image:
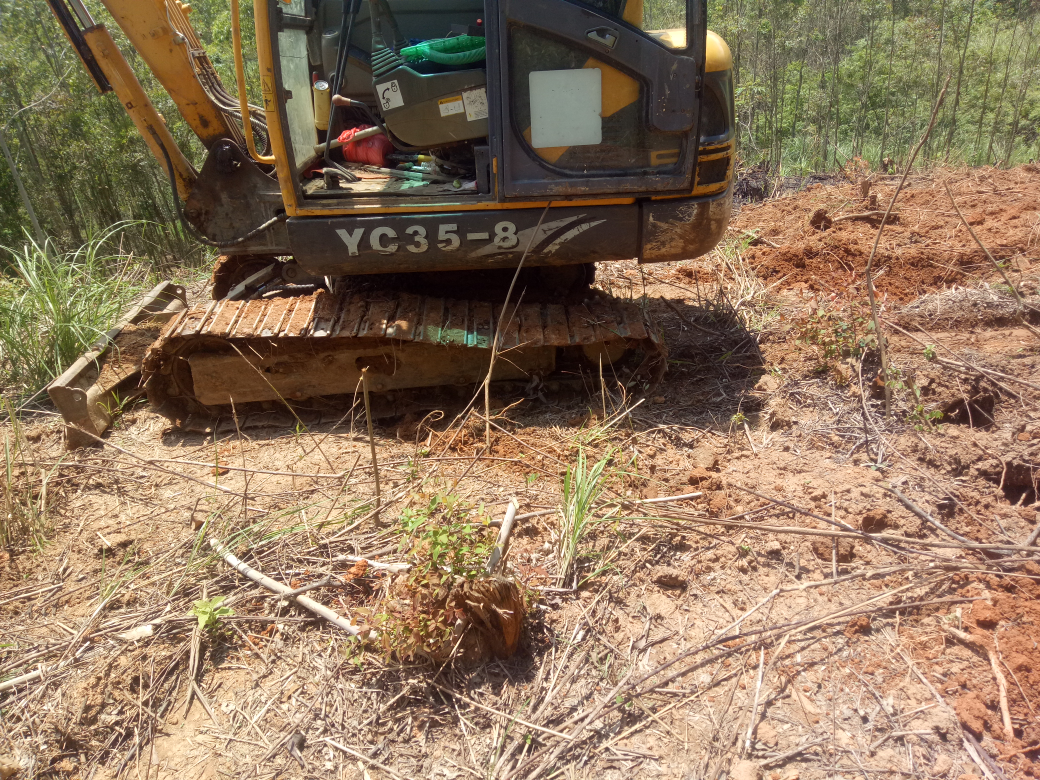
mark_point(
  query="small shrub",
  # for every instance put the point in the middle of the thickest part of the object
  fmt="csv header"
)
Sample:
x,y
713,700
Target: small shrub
x,y
445,603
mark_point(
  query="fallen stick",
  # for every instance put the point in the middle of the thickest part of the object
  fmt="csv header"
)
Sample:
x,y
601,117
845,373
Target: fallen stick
x,y
662,499
998,266
924,515
393,568
14,682
864,215
973,641
957,362
792,753
363,757
284,590
503,537
511,718
148,462
882,539
371,435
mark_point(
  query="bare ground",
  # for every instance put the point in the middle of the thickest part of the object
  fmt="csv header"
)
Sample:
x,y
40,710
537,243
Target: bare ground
x,y
797,619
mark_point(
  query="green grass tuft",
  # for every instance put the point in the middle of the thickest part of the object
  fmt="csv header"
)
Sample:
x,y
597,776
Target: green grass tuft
x,y
582,486
53,305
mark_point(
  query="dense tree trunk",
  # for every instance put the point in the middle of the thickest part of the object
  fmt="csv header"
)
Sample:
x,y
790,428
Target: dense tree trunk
x,y
26,203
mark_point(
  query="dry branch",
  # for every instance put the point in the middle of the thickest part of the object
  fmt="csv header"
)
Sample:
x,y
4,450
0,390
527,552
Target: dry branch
x,y
503,537
284,590
998,266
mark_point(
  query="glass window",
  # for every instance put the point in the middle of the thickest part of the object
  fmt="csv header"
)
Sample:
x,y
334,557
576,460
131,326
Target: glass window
x,y
664,20
621,139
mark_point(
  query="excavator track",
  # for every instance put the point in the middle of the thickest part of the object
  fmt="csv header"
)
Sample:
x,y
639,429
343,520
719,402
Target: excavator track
x,y
258,357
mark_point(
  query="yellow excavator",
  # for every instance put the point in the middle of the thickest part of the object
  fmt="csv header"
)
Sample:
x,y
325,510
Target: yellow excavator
x,y
427,183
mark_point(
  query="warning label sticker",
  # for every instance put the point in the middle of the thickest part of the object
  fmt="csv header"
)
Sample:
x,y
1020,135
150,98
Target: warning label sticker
x,y
476,104
452,105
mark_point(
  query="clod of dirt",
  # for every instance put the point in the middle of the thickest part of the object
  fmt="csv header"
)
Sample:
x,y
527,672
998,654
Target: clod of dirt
x,y
971,709
774,549
766,733
767,384
8,767
718,504
779,413
668,577
858,625
874,521
942,765
110,544
745,770
703,456
820,220
822,549
702,478
984,615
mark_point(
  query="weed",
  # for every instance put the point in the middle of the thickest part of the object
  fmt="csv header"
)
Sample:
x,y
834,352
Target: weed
x,y
209,611
53,305
929,353
838,334
582,486
449,542
442,536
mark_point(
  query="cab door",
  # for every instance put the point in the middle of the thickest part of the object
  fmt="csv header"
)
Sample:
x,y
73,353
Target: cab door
x,y
589,102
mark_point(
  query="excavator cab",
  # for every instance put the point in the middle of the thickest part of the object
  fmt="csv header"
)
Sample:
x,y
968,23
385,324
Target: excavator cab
x,y
405,152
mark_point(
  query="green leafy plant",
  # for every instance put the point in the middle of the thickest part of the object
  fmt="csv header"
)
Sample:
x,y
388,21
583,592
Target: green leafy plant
x,y
209,611
923,419
929,353
838,334
449,542
443,535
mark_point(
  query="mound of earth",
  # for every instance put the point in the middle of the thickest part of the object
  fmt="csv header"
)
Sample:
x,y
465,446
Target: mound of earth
x,y
925,248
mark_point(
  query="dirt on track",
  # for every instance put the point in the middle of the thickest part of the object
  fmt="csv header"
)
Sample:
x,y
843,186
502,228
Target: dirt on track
x,y
746,629
924,248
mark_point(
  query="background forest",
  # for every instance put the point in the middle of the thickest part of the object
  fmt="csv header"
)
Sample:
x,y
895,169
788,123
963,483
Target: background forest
x,y
818,83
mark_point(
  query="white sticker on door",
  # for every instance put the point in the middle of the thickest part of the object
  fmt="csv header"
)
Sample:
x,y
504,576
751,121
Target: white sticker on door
x,y
452,105
566,107
476,104
389,95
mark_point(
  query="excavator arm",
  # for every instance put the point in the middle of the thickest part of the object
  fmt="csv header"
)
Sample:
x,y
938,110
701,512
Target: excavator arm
x,y
160,32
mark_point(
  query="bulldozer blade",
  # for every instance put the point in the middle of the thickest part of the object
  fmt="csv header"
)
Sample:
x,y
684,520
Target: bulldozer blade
x,y
93,388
